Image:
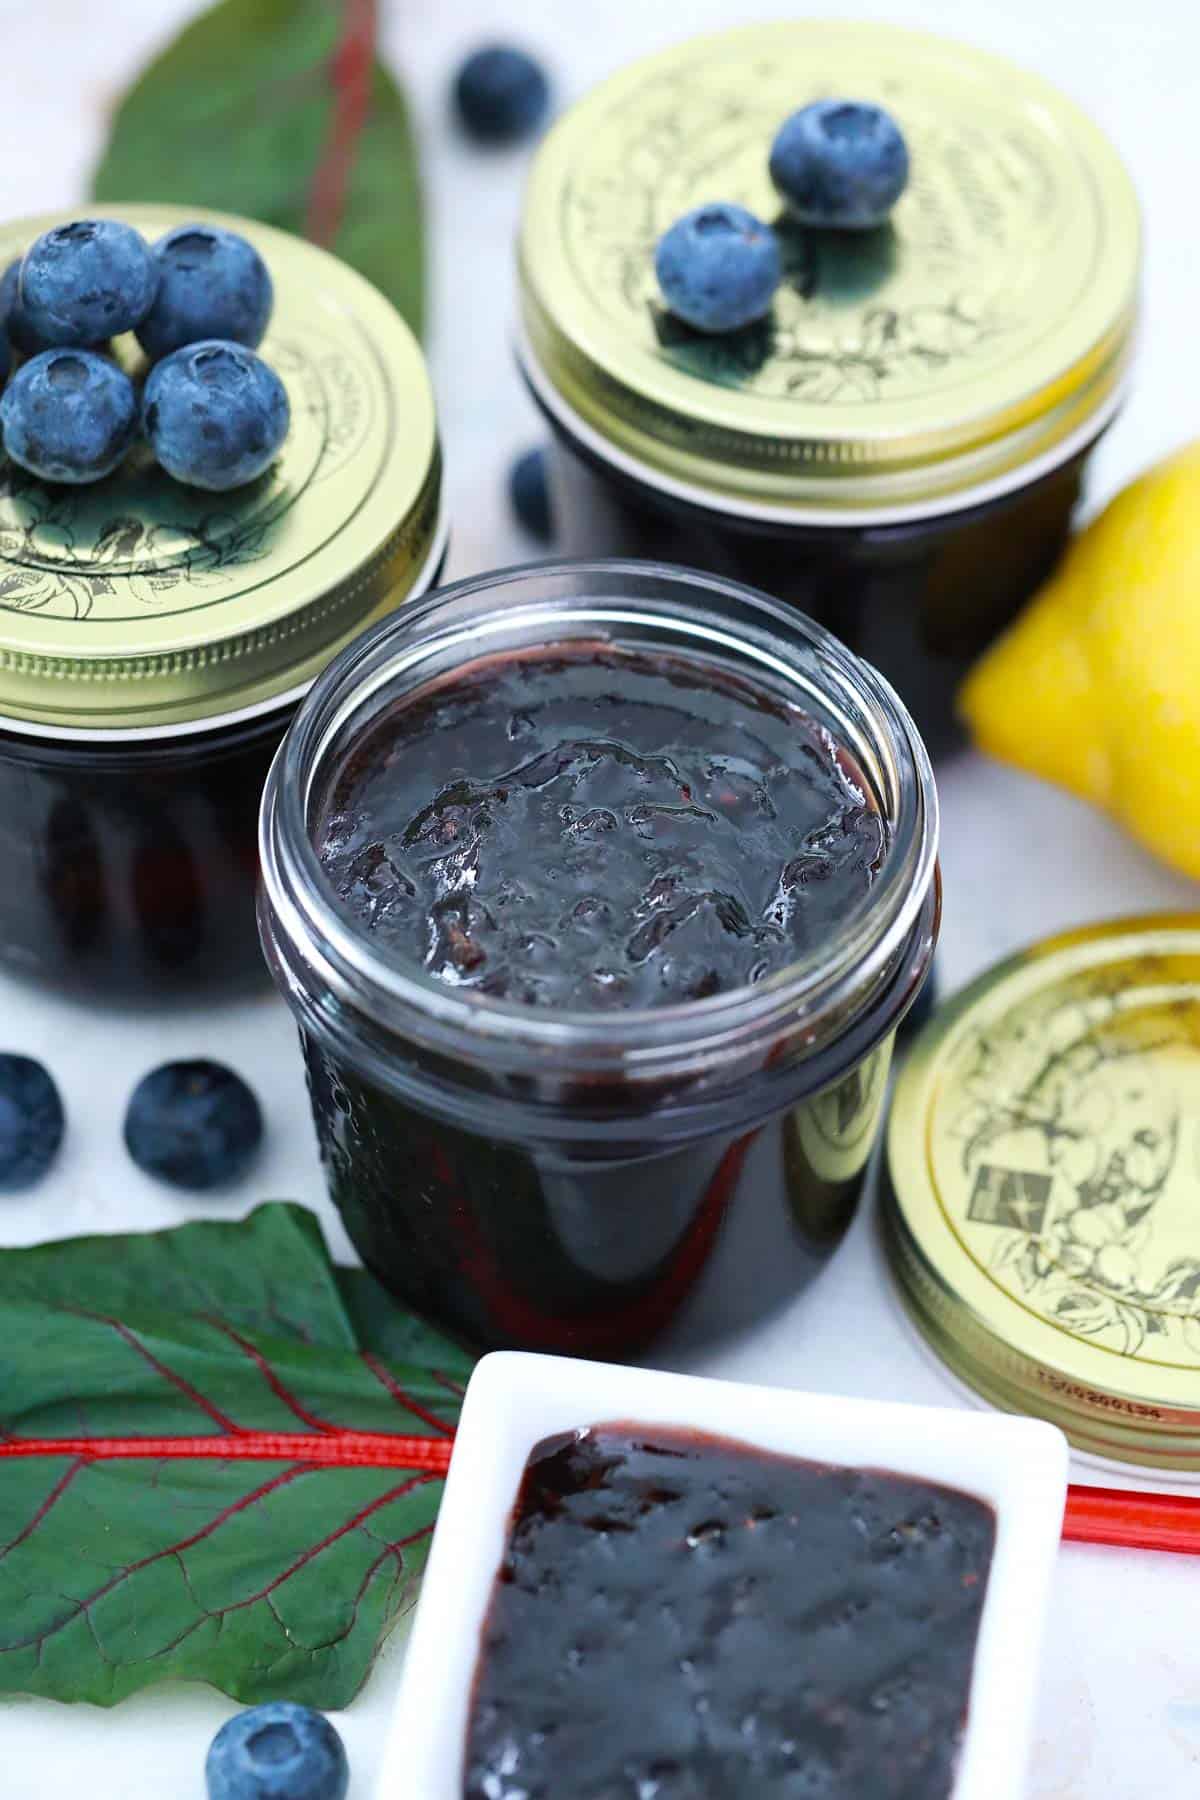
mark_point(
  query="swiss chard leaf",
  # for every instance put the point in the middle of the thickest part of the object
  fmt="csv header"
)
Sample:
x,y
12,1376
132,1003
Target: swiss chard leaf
x,y
207,1471
281,110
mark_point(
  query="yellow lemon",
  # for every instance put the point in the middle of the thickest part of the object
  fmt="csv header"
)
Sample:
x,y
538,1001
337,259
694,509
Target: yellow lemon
x,y
1097,685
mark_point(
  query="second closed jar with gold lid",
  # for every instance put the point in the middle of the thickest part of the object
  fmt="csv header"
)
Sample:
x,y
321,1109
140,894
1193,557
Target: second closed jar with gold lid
x,y
898,447
155,639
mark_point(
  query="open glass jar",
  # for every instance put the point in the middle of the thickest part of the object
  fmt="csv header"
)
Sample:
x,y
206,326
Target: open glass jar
x,y
898,447
155,640
574,1180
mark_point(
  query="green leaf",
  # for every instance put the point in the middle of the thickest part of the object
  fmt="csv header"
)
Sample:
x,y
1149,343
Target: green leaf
x,y
396,1335
207,1471
279,109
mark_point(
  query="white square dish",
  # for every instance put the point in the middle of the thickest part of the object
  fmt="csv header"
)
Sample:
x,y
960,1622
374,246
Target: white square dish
x,y
514,1400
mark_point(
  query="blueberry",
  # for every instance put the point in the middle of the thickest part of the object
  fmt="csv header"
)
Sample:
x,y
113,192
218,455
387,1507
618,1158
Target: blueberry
x,y
529,495
85,282
212,284
31,1122
840,163
215,414
68,415
20,332
194,1124
718,267
501,94
277,1752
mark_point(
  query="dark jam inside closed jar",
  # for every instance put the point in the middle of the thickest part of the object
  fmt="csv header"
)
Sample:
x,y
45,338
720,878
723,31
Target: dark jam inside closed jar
x,y
919,600
130,869
681,1615
600,829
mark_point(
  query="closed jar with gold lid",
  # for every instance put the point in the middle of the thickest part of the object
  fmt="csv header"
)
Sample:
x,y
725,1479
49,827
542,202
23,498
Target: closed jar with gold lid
x,y
155,639
898,447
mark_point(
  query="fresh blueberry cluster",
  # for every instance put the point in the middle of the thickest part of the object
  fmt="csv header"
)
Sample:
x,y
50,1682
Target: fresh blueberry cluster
x,y
839,165
193,1124
213,412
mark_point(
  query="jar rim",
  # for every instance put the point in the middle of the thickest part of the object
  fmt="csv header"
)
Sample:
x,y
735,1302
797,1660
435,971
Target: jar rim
x,y
204,726
609,596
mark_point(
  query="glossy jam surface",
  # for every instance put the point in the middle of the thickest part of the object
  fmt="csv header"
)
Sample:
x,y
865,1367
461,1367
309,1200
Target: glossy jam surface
x,y
599,829
681,1617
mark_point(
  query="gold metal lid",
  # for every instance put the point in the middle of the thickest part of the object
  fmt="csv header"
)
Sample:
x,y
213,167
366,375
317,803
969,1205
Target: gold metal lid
x,y
1042,1211
984,330
139,603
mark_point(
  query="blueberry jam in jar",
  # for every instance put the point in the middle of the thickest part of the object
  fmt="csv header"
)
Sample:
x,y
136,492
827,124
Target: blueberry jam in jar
x,y
155,640
898,446
588,846
598,892
681,1615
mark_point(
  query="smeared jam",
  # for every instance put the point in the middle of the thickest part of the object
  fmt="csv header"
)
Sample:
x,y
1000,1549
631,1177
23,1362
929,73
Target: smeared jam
x,y
599,828
683,1617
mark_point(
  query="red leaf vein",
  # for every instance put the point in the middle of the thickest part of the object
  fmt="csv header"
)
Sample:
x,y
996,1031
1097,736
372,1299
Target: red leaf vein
x,y
219,1418
278,1387
403,1398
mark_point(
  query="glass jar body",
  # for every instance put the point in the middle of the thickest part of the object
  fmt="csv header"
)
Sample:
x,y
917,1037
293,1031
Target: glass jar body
x,y
918,600
131,866
578,1181
510,1242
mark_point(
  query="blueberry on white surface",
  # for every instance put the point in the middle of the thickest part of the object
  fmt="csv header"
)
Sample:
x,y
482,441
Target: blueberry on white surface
x,y
501,94
280,1751
194,1124
31,1122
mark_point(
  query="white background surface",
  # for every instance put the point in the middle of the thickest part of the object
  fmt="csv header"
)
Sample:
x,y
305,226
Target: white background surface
x,y
1120,1691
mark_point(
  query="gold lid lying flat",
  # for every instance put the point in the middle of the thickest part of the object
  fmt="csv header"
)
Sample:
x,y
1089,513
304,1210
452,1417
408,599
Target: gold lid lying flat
x,y
1043,1205
137,602
983,329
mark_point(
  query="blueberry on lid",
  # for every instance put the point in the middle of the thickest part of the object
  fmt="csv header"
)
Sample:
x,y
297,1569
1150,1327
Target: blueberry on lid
x,y
68,415
31,1122
215,415
280,1751
83,283
212,284
194,1124
842,164
501,94
718,267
